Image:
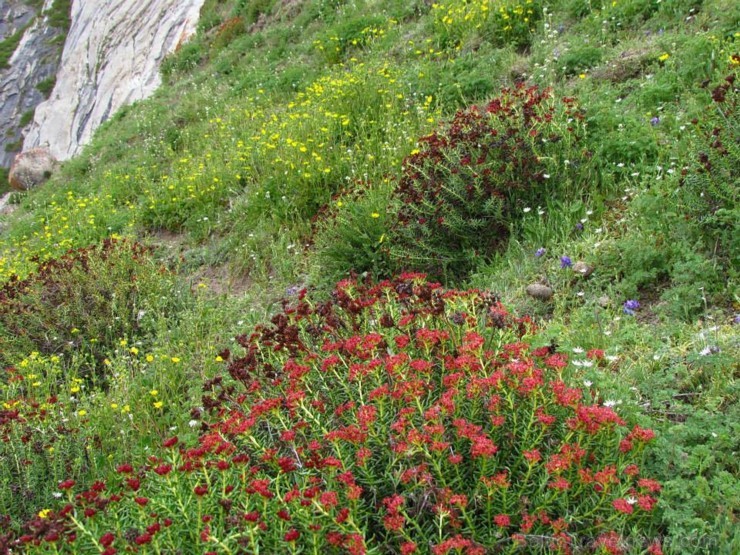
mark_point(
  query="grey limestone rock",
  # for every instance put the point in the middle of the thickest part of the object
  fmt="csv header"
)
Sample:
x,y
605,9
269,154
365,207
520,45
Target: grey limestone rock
x,y
582,268
31,168
540,291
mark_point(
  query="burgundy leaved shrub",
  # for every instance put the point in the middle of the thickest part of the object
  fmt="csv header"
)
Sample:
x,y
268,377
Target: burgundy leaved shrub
x,y
82,303
463,187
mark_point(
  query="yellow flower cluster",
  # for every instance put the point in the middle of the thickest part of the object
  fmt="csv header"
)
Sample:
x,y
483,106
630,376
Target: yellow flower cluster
x,y
67,221
501,20
336,129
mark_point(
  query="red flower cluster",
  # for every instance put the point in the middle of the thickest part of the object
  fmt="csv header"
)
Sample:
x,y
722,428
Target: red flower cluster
x,y
328,432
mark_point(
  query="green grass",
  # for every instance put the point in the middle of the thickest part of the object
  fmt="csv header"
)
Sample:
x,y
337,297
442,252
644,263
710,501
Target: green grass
x,y
59,14
255,133
4,186
8,46
46,86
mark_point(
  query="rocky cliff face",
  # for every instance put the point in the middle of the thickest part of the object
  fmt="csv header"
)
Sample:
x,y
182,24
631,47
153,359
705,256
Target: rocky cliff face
x,y
33,62
111,57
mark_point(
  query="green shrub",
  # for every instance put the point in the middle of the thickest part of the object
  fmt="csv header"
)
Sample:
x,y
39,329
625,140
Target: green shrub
x,y
354,33
694,280
352,234
99,294
638,261
251,10
503,23
4,186
512,23
46,86
14,146
59,14
227,32
393,418
38,448
619,139
462,189
579,59
184,59
26,118
710,189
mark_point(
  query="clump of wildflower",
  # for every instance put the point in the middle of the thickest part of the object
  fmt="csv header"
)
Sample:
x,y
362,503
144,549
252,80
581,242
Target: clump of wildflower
x,y
629,307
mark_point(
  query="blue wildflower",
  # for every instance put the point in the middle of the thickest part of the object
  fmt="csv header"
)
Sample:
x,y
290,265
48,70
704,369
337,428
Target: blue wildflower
x,y
565,262
540,252
654,121
630,306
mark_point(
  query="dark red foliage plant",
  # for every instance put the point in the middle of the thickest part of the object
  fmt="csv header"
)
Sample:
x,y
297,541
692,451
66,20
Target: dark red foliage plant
x,y
468,182
100,294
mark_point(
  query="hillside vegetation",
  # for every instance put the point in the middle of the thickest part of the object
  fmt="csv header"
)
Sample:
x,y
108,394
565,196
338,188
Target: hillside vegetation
x,y
384,276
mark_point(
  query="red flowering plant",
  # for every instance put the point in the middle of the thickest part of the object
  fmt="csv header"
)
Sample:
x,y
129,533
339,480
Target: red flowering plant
x,y
393,418
462,188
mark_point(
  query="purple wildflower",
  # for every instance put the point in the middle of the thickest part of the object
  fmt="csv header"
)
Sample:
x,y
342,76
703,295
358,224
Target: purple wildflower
x,y
579,226
565,262
540,252
655,120
630,306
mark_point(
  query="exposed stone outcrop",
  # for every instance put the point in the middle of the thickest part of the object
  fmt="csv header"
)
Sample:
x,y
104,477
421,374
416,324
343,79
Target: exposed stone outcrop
x,y
540,291
31,168
111,58
34,60
13,17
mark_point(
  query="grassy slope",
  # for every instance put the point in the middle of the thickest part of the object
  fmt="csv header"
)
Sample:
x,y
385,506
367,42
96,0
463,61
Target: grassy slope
x,y
257,127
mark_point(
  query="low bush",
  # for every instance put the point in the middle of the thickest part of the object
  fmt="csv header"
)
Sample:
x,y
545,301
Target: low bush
x,y
251,10
186,58
227,32
708,189
99,294
464,185
351,234
579,59
39,446
356,33
46,86
398,417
